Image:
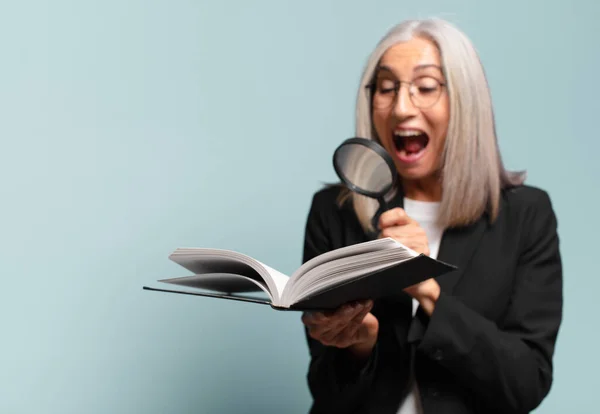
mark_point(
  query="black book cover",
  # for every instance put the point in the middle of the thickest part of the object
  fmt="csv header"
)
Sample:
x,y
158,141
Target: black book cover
x,y
387,282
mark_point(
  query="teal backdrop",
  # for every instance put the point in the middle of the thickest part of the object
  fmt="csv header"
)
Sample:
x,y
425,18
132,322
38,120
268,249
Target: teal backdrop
x,y
131,128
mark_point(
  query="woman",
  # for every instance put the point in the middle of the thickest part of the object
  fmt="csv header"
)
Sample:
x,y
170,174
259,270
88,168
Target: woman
x,y
480,339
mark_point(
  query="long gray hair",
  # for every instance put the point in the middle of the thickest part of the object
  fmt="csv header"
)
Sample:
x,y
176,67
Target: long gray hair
x,y
472,171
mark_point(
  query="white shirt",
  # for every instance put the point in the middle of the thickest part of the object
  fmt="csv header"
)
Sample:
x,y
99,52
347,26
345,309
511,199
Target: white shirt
x,y
426,214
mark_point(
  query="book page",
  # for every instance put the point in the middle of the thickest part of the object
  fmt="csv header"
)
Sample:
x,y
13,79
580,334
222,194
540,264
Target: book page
x,y
353,250
279,278
340,279
220,282
367,257
210,261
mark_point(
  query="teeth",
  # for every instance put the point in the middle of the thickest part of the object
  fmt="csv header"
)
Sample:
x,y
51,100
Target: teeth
x,y
407,133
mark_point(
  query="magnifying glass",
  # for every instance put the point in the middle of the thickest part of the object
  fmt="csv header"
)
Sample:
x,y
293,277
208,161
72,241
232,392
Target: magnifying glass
x,y
366,168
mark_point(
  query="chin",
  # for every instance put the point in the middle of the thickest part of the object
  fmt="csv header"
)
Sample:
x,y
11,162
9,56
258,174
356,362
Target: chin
x,y
415,173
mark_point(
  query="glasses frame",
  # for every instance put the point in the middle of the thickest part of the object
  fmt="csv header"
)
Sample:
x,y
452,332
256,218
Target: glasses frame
x,y
397,84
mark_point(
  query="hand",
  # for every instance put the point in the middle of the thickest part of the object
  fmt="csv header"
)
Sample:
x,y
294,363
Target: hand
x,y
427,293
399,226
351,326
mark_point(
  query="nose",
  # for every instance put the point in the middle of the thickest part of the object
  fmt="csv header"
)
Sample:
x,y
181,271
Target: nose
x,y
404,107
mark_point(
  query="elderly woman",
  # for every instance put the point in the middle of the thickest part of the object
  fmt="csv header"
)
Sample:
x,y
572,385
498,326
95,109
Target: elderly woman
x,y
480,339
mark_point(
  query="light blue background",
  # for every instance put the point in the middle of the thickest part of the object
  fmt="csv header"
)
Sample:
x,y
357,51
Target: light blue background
x,y
130,128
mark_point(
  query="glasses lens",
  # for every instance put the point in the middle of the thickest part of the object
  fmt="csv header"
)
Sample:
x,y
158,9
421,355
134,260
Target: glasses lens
x,y
384,93
425,91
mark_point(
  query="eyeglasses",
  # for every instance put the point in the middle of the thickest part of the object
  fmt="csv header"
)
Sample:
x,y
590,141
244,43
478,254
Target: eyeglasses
x,y
424,92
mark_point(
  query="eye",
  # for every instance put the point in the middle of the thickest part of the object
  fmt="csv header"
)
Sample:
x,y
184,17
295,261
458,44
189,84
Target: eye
x,y
385,86
427,85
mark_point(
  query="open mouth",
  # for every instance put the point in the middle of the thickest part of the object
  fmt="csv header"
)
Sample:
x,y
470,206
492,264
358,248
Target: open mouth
x,y
410,144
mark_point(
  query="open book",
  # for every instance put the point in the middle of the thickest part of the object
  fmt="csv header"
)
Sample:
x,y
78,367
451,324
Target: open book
x,y
368,270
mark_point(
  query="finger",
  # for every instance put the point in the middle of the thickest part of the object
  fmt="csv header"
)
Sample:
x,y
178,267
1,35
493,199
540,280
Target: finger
x,y
319,330
395,233
345,314
320,323
329,335
344,334
409,233
316,317
329,338
338,322
311,318
405,232
394,217
356,322
335,313
322,333
350,334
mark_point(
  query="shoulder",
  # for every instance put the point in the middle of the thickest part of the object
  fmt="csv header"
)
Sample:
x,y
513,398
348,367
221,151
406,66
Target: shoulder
x,y
327,198
332,214
527,201
529,212
328,225
327,207
332,203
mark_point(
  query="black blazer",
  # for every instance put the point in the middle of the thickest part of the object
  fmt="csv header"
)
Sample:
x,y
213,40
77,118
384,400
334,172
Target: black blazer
x,y
489,343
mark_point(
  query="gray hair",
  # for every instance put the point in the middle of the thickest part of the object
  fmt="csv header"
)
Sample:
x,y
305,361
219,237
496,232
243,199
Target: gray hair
x,y
472,171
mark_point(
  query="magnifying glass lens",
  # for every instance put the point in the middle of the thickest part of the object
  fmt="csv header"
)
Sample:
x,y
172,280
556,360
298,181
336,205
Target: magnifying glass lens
x,y
365,167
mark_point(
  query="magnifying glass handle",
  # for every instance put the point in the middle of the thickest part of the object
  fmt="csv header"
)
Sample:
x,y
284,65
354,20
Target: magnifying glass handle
x,y
382,208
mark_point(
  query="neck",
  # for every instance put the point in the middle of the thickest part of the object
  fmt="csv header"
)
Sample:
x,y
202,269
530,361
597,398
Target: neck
x,y
429,189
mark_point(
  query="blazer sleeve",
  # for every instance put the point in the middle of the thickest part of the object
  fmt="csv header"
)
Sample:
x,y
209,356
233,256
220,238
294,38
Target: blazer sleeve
x,y
508,364
337,381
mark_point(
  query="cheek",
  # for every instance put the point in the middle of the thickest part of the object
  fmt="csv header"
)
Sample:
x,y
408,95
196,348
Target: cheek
x,y
380,122
438,121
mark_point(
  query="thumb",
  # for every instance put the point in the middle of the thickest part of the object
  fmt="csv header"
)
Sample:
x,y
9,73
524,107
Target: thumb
x,y
394,217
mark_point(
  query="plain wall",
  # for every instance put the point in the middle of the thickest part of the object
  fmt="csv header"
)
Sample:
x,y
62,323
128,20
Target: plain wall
x,y
131,128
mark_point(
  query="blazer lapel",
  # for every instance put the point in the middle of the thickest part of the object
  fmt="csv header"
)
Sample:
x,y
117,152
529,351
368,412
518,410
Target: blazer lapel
x,y
457,248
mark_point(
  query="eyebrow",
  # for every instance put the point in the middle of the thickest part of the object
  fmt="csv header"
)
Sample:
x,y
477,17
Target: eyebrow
x,y
418,67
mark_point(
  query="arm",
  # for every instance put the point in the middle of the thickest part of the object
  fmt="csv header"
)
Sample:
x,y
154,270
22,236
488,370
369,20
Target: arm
x,y
509,366
338,378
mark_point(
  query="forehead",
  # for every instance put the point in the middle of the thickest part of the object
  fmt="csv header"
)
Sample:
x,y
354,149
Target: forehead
x,y
403,59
